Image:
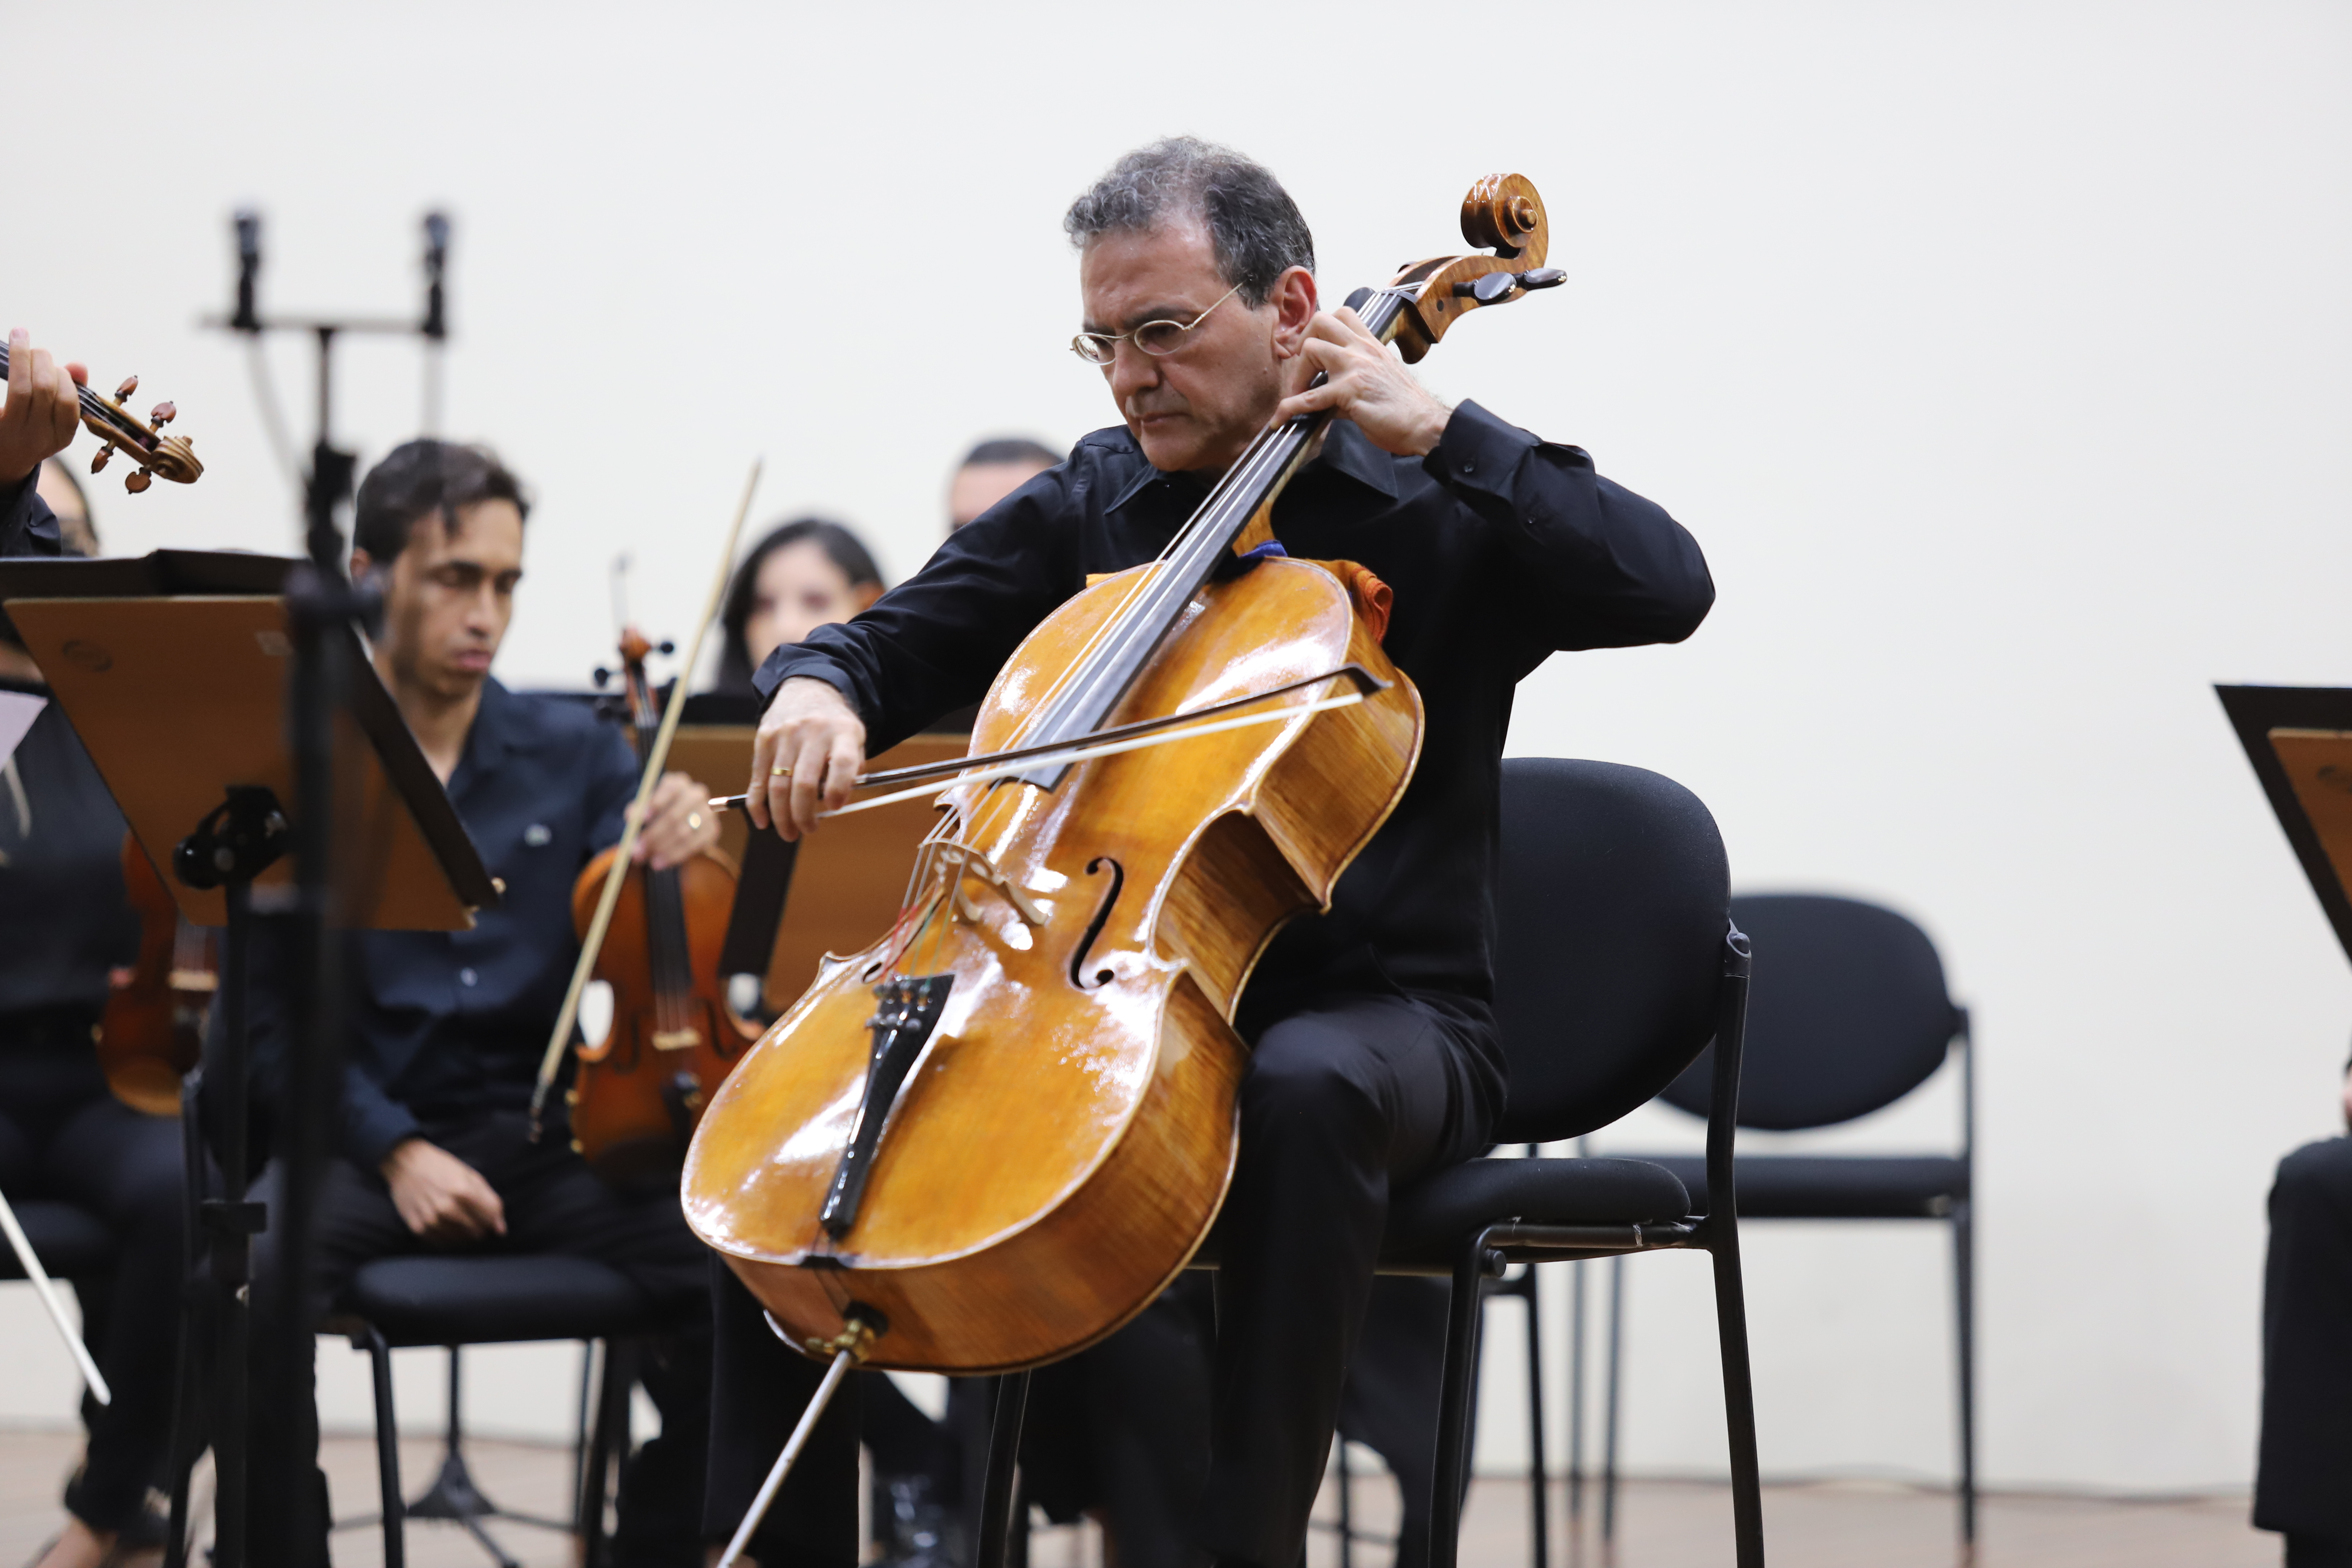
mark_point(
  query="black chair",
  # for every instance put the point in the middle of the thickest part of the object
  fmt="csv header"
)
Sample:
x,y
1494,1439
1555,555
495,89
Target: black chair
x,y
398,1303
1616,966
1849,1015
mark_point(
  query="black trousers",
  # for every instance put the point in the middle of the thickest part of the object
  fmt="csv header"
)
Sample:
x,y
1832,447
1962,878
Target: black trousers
x,y
2303,1483
553,1205
63,1136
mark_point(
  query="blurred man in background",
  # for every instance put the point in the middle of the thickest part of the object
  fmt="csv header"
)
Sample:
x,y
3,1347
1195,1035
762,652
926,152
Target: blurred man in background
x,y
992,470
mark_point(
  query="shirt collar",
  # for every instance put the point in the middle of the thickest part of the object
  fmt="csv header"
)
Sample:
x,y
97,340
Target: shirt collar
x,y
1347,451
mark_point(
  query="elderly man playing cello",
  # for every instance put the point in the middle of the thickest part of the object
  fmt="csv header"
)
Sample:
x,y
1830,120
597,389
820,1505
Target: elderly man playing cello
x,y
1374,1056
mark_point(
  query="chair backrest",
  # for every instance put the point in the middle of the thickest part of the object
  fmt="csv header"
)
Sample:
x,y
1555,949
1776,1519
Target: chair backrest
x,y
1846,1013
1610,912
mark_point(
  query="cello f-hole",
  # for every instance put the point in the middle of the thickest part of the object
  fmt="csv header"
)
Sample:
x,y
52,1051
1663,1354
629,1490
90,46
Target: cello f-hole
x,y
1094,929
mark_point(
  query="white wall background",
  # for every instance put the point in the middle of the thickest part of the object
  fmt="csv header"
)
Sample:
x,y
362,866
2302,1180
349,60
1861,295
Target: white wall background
x,y
1995,353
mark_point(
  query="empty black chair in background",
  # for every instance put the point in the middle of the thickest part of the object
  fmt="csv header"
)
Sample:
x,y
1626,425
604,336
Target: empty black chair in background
x,y
1848,1015
1616,966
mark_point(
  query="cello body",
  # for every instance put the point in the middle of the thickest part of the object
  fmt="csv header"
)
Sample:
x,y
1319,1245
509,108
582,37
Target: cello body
x,y
1061,1144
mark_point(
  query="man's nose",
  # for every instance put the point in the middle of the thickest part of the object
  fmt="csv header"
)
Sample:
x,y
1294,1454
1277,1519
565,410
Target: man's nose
x,y
1132,370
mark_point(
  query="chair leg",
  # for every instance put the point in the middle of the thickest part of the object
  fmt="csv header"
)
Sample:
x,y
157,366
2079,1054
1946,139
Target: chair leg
x,y
1456,1404
1964,1291
610,1436
387,1452
1739,1397
1609,1411
996,1501
1576,1401
1347,1506
1539,1472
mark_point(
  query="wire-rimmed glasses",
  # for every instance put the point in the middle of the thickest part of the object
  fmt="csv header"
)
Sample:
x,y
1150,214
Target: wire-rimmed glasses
x,y
1159,338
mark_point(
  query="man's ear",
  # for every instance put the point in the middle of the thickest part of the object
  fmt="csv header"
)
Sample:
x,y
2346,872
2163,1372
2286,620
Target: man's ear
x,y
1294,301
362,562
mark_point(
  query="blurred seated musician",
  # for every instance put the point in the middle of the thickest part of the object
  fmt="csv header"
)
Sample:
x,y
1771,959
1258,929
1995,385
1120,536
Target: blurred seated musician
x,y
1374,1057
992,470
432,1151
2302,1482
801,576
65,925
38,420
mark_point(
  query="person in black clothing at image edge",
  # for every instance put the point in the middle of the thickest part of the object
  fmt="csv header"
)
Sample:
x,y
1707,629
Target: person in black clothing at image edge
x,y
2303,1480
432,1148
1374,1053
65,925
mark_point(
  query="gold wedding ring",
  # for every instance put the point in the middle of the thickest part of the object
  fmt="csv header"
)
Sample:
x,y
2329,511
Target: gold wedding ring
x,y
780,773
694,821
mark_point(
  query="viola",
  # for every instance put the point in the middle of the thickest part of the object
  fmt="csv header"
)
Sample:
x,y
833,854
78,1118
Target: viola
x,y
674,1035
990,1137
120,430
153,1030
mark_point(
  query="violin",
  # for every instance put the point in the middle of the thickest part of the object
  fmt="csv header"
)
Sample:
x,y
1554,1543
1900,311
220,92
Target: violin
x,y
990,1137
119,429
674,1035
153,1030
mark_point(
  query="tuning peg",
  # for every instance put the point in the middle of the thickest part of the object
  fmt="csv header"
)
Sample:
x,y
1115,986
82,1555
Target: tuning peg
x,y
103,453
601,676
665,648
1542,278
165,414
130,384
139,481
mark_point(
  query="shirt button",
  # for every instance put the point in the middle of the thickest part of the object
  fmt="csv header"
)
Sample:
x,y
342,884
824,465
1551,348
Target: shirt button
x,y
466,977
1469,467
537,834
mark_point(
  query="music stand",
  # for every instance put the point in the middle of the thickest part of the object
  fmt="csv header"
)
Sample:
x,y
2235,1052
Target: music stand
x,y
2299,739
834,893
171,668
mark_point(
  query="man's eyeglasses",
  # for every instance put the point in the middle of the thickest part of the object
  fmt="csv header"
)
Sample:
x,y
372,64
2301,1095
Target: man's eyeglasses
x,y
1151,337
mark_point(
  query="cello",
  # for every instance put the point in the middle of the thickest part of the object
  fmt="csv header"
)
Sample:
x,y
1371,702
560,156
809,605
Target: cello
x,y
674,1035
990,1138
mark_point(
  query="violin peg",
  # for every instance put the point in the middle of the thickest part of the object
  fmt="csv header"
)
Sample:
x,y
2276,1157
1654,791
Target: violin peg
x,y
99,461
130,384
667,648
139,481
1542,278
165,414
602,676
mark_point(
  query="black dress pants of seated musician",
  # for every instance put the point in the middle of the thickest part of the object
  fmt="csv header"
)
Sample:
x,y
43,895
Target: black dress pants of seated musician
x,y
64,1136
1345,1097
2303,1485
553,1205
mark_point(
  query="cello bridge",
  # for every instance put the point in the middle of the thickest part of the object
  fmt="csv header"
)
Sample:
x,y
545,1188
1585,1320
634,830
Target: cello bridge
x,y
677,1040
960,861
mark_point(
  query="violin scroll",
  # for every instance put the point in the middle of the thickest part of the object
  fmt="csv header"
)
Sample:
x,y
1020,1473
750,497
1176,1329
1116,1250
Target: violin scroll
x,y
1503,214
168,457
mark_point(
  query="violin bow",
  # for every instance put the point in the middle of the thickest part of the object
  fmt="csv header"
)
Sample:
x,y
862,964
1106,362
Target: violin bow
x,y
551,1062
48,1293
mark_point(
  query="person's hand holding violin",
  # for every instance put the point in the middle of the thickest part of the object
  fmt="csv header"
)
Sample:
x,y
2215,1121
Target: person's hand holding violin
x,y
679,823
43,410
1367,383
810,746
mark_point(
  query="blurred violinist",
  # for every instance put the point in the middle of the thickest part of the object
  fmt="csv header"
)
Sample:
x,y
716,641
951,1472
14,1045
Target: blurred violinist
x,y
67,928
432,1149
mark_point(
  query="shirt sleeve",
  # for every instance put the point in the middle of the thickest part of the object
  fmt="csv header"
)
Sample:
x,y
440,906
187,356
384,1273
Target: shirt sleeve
x,y
933,643
28,526
370,1124
1590,565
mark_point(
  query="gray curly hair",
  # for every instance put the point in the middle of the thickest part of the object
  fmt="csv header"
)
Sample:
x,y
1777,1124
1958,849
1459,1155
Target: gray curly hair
x,y
1253,224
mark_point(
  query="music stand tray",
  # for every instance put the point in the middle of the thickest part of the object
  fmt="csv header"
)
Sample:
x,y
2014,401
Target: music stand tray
x,y
2299,739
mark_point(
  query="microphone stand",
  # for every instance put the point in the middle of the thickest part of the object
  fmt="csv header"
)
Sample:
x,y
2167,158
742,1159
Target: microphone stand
x,y
320,597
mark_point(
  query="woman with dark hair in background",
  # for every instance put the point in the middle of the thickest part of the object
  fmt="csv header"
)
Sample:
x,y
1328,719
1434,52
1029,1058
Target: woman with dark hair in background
x,y
804,575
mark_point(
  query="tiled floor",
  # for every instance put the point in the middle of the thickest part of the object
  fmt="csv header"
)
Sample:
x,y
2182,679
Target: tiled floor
x,y
1661,1524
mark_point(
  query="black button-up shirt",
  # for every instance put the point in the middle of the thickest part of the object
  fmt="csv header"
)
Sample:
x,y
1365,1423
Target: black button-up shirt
x,y
1500,549
64,921
28,526
446,1026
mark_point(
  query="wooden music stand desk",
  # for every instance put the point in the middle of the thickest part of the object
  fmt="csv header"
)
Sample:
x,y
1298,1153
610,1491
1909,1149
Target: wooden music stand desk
x,y
2299,739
